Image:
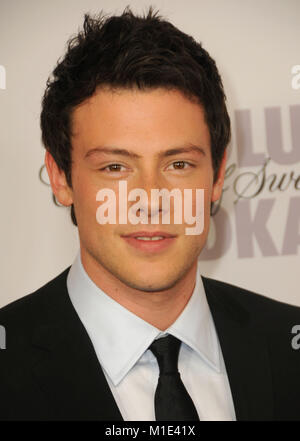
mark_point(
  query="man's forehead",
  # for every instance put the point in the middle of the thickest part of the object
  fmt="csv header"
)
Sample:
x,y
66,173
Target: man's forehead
x,y
162,120
133,94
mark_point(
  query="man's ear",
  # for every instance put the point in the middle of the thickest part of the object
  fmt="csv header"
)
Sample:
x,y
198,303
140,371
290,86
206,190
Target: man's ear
x,y
58,181
218,185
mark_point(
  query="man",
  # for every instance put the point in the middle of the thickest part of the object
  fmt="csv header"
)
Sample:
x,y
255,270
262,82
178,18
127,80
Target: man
x,y
137,101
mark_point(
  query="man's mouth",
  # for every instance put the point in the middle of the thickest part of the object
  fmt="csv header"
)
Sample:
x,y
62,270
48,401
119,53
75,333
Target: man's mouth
x,y
150,241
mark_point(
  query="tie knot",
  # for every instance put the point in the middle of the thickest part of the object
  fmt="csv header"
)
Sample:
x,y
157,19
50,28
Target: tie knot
x,y
166,351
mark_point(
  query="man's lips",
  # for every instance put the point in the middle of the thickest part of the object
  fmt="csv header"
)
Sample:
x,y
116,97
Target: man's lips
x,y
150,245
149,234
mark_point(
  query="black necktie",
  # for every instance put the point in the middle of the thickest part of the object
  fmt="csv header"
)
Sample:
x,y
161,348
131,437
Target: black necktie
x,y
172,401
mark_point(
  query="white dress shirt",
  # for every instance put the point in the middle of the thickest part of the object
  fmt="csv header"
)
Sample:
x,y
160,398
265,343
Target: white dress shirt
x,y
121,339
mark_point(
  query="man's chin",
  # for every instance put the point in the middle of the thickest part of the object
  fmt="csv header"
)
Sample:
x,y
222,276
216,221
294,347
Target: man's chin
x,y
150,282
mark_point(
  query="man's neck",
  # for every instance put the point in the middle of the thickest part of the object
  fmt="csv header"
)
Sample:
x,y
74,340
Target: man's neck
x,y
159,308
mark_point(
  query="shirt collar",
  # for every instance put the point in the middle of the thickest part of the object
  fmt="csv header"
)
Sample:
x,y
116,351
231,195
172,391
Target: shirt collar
x,y
120,337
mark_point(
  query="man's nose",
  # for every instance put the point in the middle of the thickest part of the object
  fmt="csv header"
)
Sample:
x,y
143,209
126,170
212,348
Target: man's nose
x,y
152,206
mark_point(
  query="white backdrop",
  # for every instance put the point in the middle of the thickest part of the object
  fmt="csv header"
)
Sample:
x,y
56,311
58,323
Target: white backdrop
x,y
254,240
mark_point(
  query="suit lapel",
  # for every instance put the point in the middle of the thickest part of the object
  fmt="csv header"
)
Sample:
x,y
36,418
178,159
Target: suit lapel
x,y
66,367
245,355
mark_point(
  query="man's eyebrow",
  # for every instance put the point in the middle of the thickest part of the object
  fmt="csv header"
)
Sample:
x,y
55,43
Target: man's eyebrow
x,y
187,149
130,154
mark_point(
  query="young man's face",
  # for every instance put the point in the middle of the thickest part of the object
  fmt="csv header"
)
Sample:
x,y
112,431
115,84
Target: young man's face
x,y
147,124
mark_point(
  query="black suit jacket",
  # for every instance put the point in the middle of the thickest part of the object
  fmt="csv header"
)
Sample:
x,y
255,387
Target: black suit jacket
x,y
50,371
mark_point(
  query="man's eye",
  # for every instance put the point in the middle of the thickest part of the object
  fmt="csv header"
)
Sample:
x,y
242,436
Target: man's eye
x,y
113,167
180,165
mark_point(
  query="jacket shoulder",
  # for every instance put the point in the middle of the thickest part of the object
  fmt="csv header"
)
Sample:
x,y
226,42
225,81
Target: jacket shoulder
x,y
262,309
34,307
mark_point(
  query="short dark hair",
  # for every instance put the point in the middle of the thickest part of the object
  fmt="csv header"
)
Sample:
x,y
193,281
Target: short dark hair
x,y
130,51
